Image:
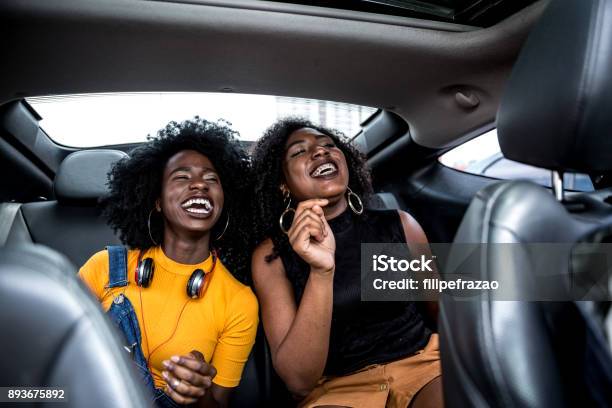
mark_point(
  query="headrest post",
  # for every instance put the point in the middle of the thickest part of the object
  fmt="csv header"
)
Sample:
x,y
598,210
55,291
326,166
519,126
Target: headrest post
x,y
557,185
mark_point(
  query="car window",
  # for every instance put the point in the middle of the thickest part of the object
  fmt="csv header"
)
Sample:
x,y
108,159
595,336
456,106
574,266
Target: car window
x,y
89,120
482,155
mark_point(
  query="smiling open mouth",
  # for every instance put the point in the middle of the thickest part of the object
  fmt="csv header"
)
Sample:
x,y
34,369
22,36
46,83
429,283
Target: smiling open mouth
x,y
325,169
198,206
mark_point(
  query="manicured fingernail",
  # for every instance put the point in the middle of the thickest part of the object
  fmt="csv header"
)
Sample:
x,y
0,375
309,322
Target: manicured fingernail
x,y
175,383
166,363
165,374
176,359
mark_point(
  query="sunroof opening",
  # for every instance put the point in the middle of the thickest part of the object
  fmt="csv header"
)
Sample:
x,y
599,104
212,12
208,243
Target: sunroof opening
x,y
480,13
91,120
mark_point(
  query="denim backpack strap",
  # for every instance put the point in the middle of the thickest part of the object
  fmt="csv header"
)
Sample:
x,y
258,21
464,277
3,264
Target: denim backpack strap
x,y
117,266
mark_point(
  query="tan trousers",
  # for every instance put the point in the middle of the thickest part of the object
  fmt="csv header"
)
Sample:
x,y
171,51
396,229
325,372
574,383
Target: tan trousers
x,y
390,385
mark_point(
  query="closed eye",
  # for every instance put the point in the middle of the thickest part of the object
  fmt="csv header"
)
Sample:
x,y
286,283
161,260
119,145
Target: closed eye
x,y
297,153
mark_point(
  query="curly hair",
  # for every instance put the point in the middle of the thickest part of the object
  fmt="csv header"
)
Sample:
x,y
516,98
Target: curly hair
x,y
135,183
267,162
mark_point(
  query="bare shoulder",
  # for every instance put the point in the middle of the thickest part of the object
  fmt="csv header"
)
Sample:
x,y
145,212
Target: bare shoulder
x,y
271,285
412,229
263,269
263,249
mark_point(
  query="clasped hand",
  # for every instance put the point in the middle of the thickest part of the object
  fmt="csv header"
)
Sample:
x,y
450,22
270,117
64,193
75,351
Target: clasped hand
x,y
188,377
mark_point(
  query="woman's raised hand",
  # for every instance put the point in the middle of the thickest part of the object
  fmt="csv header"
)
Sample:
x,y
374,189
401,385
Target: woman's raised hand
x,y
188,377
311,237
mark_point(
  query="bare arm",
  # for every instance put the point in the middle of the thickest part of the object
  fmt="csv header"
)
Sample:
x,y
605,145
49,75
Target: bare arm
x,y
298,337
419,245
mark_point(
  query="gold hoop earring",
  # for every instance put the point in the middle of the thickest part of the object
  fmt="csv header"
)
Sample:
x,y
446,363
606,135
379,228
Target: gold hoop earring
x,y
224,229
149,227
288,209
350,195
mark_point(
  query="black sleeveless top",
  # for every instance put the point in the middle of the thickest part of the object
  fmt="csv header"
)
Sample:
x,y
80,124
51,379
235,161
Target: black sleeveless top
x,y
362,333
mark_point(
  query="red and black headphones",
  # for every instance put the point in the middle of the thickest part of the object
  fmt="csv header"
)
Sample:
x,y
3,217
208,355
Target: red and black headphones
x,y
143,275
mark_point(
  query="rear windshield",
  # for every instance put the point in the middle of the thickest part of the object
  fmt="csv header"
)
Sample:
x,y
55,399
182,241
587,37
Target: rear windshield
x,y
90,120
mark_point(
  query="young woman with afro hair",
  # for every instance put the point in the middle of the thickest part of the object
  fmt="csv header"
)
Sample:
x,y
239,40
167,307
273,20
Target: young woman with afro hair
x,y
330,348
175,292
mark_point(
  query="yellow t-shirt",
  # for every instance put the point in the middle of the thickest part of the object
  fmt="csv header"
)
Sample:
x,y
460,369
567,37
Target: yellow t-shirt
x,y
221,324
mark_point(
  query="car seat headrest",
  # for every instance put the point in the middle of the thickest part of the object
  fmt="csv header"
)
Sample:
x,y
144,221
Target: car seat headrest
x,y
82,176
555,110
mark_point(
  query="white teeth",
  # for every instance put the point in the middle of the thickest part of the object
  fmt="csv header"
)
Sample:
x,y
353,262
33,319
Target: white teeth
x,y
324,169
198,210
200,201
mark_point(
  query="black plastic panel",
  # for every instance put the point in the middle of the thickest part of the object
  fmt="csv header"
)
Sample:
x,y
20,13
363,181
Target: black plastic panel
x,y
20,124
438,197
381,130
21,181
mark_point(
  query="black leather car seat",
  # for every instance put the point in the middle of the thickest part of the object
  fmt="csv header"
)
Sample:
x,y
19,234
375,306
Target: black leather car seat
x,y
555,114
55,335
72,225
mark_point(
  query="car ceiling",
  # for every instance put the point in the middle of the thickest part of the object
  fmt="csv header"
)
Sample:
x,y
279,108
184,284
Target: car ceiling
x,y
408,66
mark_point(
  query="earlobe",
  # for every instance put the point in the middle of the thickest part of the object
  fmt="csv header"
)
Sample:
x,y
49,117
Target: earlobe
x,y
157,206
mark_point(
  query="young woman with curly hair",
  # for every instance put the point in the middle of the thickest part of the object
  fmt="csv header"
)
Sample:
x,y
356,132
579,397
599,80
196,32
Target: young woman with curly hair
x,y
189,323
330,348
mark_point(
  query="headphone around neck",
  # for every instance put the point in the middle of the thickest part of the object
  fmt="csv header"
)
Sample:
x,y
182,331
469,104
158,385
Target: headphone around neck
x,y
143,276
